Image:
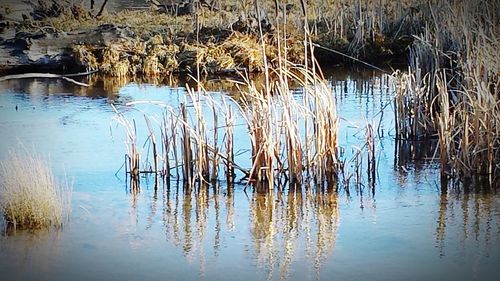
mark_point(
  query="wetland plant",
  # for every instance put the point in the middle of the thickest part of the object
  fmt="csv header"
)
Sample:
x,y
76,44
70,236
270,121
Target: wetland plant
x,y
451,91
30,195
292,134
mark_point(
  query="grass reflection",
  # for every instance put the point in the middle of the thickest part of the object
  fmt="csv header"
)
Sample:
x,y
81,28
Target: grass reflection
x,y
469,217
289,225
293,223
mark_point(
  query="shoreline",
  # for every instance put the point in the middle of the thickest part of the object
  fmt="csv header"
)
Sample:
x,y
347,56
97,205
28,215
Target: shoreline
x,y
151,43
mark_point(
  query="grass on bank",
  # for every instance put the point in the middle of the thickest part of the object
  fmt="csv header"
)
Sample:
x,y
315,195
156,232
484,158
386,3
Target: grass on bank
x,y
30,195
225,37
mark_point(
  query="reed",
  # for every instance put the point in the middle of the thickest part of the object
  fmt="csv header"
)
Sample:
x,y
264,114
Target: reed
x,y
412,103
371,169
30,195
292,133
279,140
154,145
132,157
187,170
167,143
451,89
229,144
262,128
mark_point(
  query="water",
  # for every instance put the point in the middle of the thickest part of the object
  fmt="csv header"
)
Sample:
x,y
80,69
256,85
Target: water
x,y
407,230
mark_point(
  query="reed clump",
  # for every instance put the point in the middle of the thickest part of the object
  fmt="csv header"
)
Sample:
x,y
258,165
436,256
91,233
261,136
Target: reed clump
x,y
367,29
451,91
30,195
292,138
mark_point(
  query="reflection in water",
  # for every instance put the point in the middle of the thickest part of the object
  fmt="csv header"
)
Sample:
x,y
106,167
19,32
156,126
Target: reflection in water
x,y
468,217
414,158
47,245
109,87
281,224
415,155
185,218
419,156
297,224
98,87
284,226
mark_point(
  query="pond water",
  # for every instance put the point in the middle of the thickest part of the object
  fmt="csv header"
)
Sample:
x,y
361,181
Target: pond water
x,y
408,229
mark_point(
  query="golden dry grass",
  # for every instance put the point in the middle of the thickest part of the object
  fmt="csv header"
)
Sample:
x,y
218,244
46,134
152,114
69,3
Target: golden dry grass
x,y
452,89
30,195
159,56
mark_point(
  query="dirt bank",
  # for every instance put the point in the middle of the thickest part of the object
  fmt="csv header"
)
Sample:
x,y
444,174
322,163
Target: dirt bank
x,y
217,38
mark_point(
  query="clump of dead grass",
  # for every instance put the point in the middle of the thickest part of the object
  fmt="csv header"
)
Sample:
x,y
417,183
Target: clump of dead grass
x,y
159,56
451,90
30,195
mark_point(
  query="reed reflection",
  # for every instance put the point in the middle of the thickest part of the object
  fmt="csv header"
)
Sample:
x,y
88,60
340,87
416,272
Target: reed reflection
x,y
293,224
285,225
194,218
472,217
415,155
25,248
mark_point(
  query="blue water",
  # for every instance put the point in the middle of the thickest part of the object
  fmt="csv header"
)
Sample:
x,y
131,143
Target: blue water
x,y
406,230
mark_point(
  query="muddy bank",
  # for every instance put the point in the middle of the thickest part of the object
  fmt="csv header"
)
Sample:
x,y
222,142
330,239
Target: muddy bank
x,y
119,51
222,38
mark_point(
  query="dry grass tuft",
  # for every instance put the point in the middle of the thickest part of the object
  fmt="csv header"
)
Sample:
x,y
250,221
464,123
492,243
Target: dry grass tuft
x,y
160,56
30,195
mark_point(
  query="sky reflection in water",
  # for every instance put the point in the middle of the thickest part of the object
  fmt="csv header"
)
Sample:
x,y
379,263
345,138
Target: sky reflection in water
x,y
408,229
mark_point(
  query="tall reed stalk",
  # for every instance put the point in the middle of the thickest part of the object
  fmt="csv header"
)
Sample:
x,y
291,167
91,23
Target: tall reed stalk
x,y
451,90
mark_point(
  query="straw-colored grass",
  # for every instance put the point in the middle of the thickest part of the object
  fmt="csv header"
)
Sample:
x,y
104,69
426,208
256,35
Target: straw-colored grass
x,y
367,29
30,195
451,90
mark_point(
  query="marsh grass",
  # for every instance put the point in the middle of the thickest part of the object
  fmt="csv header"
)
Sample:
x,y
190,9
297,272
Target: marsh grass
x,y
292,136
159,56
292,132
30,195
451,91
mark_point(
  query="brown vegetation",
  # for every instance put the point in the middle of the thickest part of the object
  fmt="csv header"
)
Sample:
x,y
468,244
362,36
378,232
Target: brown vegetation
x,y
30,196
452,89
224,36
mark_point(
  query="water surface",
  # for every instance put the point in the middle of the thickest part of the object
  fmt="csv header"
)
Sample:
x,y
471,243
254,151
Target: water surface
x,y
408,229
